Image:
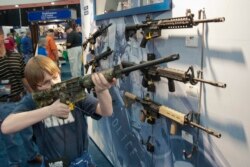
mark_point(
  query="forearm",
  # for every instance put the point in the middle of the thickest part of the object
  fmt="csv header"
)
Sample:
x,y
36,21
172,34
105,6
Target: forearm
x,y
104,107
16,122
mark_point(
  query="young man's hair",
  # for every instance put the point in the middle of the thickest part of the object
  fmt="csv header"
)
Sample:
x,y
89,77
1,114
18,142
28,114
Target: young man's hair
x,y
35,68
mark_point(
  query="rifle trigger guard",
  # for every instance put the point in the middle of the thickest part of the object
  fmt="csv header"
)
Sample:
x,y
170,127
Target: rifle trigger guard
x,y
71,105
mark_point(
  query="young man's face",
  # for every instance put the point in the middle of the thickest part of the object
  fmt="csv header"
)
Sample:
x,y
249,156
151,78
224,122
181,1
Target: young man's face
x,y
48,81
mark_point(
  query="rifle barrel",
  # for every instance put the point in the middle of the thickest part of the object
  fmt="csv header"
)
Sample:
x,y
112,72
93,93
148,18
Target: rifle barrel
x,y
101,30
150,63
179,75
104,54
207,130
219,19
95,35
217,84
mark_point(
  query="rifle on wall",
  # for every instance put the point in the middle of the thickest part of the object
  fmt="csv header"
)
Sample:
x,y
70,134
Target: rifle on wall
x,y
73,90
152,110
152,74
92,39
95,62
152,28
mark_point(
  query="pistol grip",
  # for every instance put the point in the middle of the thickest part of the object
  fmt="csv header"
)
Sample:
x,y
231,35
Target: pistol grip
x,y
171,86
144,42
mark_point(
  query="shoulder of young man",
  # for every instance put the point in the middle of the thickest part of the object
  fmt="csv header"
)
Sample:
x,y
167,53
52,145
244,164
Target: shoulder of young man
x,y
27,103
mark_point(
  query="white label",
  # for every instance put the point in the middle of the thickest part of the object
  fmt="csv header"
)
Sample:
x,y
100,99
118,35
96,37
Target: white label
x,y
187,136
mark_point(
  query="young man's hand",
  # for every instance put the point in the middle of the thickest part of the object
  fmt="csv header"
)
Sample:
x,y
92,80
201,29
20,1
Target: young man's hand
x,y
59,109
101,83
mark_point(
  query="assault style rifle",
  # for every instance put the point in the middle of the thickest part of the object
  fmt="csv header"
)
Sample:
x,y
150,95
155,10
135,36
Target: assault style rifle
x,y
92,39
72,91
152,110
95,62
152,74
152,28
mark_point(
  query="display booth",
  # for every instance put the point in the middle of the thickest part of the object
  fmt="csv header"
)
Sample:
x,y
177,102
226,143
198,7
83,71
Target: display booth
x,y
56,19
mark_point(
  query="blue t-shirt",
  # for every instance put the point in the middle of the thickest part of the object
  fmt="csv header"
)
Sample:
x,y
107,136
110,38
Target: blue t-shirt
x,y
26,44
58,138
42,51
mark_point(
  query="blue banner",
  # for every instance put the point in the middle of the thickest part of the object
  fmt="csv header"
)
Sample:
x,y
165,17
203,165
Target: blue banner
x,y
78,21
46,15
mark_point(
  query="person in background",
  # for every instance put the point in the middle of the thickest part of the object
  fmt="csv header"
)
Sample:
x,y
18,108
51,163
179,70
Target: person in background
x,y
27,48
17,38
79,30
9,43
61,133
42,47
51,46
13,86
74,49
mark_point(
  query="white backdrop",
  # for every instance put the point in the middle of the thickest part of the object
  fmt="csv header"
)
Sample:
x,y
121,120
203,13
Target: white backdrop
x,y
225,59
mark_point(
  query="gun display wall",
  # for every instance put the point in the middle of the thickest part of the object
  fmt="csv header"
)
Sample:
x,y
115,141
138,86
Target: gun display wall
x,y
153,108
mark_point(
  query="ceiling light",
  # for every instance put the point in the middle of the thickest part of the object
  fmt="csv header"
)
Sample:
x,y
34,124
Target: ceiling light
x,y
52,3
16,6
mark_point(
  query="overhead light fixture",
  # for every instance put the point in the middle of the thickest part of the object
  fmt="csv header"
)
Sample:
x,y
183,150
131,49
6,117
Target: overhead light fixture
x,y
16,6
52,3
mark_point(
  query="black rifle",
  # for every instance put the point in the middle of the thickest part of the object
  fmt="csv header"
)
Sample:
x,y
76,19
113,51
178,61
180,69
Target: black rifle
x,y
152,28
152,110
152,74
72,91
95,62
92,39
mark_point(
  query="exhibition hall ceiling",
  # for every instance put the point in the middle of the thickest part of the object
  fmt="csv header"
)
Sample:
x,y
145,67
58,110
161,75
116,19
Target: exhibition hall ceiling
x,y
14,2
7,4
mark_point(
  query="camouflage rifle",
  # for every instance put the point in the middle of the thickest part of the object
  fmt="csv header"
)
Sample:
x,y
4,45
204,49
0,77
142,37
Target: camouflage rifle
x,y
73,90
92,39
152,110
152,28
96,60
152,74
